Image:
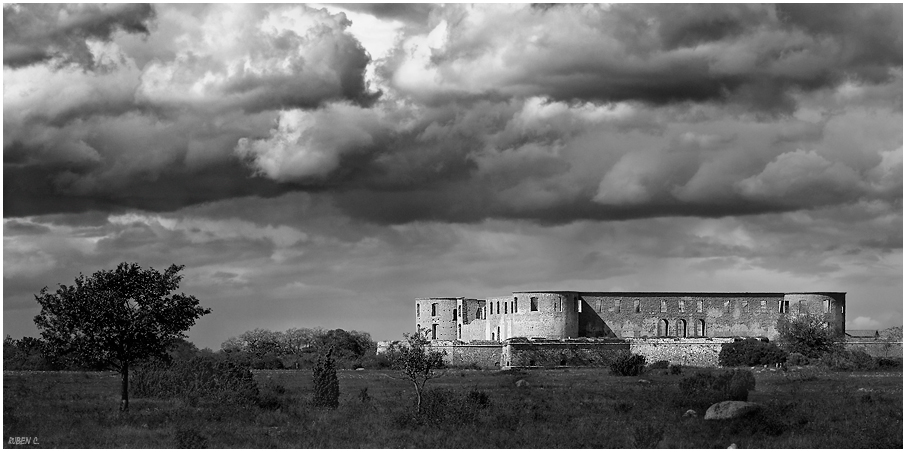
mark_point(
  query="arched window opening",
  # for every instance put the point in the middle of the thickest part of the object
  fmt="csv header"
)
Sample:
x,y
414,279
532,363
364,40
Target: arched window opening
x,y
515,304
478,313
681,328
505,310
434,331
418,311
498,308
700,328
433,309
534,302
454,314
638,306
459,332
499,337
662,328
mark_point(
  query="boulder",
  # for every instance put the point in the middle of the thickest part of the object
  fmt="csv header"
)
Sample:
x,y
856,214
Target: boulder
x,y
360,368
732,446
522,384
645,382
690,413
730,409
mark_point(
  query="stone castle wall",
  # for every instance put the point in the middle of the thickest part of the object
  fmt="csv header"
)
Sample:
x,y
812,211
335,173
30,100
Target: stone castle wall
x,y
696,352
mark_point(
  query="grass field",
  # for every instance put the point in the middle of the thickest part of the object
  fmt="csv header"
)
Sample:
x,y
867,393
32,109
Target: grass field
x,y
562,408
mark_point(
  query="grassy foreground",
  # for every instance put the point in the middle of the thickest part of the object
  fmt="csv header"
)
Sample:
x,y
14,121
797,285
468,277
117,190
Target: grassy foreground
x,y
564,408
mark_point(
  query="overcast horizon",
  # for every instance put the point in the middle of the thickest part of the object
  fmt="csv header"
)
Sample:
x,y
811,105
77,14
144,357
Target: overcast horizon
x,y
324,165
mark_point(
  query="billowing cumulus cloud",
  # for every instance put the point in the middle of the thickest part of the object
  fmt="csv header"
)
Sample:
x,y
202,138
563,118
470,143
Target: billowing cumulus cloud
x,y
35,33
597,147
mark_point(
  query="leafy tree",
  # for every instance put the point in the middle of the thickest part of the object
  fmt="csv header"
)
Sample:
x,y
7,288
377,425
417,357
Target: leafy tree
x,y
417,363
115,318
807,334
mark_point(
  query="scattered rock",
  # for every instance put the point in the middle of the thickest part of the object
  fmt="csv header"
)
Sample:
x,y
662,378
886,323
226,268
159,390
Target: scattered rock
x,y
645,382
730,409
732,446
360,368
522,384
863,390
690,413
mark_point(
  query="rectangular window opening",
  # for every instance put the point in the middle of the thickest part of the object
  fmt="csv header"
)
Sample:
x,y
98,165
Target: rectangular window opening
x,y
534,303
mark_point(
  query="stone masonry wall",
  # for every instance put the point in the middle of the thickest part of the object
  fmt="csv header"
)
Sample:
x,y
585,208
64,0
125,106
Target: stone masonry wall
x,y
877,348
483,355
698,352
561,353
639,314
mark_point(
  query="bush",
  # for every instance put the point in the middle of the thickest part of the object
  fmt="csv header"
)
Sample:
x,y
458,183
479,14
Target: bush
x,y
809,335
676,369
201,377
848,360
750,352
797,359
704,389
662,364
889,363
327,386
627,364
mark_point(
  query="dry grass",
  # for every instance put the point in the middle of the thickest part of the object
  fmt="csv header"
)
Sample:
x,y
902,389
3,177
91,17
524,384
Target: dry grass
x,y
573,408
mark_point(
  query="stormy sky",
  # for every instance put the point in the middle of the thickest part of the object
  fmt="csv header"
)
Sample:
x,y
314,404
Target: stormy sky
x,y
323,165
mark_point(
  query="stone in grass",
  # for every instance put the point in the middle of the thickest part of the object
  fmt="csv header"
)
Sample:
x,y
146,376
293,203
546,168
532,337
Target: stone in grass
x,y
732,446
644,382
360,368
690,413
522,384
730,409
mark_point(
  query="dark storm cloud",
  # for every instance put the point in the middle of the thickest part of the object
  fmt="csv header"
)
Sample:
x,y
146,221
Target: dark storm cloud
x,y
748,54
162,135
33,33
569,113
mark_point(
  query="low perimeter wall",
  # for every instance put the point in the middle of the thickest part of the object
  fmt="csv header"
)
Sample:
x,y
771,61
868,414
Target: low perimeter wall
x,y
877,348
560,353
699,352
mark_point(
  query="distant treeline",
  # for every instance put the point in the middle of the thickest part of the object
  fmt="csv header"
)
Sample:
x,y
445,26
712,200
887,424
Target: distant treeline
x,y
260,349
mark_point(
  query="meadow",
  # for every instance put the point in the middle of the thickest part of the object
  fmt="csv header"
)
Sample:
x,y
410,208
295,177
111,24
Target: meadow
x,y
557,408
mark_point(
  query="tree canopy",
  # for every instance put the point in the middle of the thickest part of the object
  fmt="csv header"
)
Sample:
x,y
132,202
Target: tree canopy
x,y
117,317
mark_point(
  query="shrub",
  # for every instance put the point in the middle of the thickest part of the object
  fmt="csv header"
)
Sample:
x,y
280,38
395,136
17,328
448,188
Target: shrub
x,y
327,386
750,352
704,388
662,364
889,363
627,364
797,359
675,369
848,360
189,438
809,335
200,377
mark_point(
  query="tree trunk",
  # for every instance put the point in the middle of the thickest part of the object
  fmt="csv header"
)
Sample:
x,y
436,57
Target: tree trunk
x,y
418,398
124,402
